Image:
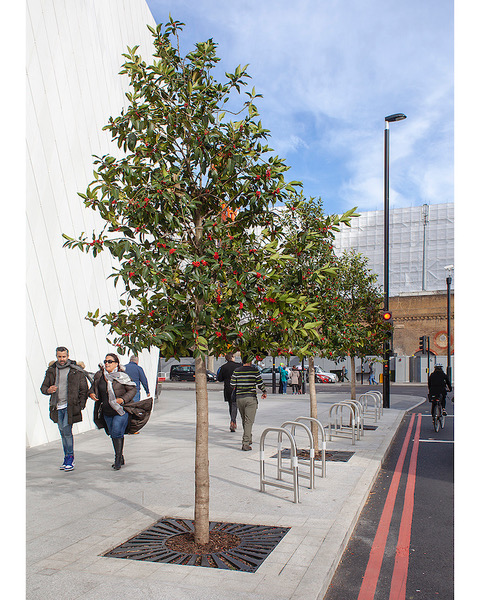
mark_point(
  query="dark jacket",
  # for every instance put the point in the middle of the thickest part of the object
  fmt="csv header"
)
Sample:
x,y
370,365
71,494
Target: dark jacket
x,y
138,412
225,374
77,392
439,383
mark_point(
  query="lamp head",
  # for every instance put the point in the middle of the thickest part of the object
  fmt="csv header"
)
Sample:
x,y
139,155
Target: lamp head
x,y
395,117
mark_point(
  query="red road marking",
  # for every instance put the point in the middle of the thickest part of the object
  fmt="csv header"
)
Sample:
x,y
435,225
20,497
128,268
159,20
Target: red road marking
x,y
398,588
372,572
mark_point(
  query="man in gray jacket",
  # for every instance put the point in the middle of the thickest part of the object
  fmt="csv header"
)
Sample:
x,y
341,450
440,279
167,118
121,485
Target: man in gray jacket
x,y
66,384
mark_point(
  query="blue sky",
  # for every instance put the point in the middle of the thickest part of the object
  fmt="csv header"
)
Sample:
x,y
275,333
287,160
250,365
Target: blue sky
x,y
330,71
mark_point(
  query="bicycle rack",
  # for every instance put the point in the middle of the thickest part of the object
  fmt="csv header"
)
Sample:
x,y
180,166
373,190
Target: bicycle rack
x,y
359,414
375,412
280,469
324,443
378,395
293,462
339,406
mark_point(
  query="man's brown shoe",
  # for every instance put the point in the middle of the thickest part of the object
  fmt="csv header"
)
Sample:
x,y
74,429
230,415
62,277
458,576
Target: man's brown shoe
x,y
245,447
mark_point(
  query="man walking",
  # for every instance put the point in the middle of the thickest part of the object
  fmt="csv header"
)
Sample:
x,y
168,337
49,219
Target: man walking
x,y
137,374
225,374
245,380
67,386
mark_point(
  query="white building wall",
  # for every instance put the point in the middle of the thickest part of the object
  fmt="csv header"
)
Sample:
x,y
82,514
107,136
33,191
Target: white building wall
x,y
74,53
406,245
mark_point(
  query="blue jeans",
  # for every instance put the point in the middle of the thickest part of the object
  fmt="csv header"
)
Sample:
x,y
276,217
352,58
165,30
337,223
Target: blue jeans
x,y
65,431
137,396
116,424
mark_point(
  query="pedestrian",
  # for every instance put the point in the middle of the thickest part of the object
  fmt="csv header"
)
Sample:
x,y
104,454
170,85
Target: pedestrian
x,y
343,375
438,384
137,375
283,379
67,386
111,389
224,374
245,380
295,377
371,374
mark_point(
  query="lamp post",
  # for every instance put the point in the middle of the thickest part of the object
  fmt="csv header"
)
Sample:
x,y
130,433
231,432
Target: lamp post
x,y
449,270
386,227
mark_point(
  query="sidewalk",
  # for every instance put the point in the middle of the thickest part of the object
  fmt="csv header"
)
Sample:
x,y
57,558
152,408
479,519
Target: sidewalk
x,y
73,518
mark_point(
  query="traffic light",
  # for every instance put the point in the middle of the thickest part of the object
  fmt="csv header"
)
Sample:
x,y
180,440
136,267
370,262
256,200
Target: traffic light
x,y
421,343
386,315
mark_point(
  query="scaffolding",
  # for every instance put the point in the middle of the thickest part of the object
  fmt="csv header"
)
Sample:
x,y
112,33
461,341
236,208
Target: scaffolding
x,y
421,245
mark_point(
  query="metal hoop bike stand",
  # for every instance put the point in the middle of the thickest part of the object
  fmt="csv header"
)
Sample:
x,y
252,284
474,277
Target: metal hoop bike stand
x,y
373,412
280,469
324,442
339,427
293,462
378,395
359,413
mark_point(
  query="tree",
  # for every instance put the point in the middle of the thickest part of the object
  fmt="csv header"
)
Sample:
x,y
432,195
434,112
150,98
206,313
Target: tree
x,y
308,237
356,327
186,208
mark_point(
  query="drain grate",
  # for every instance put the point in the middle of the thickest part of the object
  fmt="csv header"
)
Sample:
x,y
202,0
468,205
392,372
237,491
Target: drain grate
x,y
255,543
331,455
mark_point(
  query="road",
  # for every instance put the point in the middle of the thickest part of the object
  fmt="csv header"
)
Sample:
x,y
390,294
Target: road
x,y
402,547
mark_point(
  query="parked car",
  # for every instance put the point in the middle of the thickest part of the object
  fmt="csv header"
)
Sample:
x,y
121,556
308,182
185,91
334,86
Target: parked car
x,y
186,372
321,376
266,375
325,376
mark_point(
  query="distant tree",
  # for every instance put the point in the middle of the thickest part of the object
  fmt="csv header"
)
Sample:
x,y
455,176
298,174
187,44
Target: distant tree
x,y
308,235
186,206
356,326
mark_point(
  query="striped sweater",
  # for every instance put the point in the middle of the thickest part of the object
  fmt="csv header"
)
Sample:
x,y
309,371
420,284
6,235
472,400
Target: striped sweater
x,y
245,379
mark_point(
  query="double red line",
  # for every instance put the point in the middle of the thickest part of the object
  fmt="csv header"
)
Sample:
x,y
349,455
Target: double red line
x,y
400,570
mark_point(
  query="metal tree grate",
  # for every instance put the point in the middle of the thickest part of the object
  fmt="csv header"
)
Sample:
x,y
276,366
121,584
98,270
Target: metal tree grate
x,y
256,543
330,455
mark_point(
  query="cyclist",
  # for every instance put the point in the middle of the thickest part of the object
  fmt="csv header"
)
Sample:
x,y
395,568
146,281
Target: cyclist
x,y
438,384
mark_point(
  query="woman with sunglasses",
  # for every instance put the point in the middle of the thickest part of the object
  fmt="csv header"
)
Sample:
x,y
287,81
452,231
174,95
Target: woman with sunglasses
x,y
111,389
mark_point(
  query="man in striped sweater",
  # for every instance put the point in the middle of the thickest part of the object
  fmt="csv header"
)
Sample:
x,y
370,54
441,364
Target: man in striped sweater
x,y
245,380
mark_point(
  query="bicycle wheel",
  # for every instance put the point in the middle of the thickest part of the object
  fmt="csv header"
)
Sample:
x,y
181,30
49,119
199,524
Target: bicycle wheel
x,y
442,419
437,414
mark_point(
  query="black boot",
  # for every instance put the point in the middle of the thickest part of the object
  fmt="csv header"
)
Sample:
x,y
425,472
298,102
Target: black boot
x,y
122,460
118,446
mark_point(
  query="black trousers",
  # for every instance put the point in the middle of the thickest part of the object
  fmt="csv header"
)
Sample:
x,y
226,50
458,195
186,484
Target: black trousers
x,y
443,398
232,405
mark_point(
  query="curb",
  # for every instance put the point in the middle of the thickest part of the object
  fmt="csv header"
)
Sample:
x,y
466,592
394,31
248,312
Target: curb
x,y
362,489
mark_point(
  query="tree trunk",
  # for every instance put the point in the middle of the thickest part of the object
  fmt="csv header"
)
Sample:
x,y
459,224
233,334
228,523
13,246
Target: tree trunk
x,y
313,401
353,378
202,483
211,363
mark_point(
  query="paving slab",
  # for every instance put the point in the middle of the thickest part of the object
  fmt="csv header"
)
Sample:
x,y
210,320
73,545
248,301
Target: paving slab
x,y
74,518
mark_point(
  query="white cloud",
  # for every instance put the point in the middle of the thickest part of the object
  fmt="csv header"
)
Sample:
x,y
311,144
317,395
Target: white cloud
x,y
330,71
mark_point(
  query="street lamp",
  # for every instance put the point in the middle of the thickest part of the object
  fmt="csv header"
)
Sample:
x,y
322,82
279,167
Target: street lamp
x,y
448,269
386,224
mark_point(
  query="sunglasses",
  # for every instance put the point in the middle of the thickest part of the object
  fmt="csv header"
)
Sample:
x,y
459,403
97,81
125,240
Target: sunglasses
x,y
109,362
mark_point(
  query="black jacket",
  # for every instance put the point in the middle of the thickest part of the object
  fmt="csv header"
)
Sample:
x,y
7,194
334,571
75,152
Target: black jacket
x,y
225,374
77,389
439,383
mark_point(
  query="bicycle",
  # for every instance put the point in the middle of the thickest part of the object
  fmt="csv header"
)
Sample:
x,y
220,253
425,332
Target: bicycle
x,y
437,413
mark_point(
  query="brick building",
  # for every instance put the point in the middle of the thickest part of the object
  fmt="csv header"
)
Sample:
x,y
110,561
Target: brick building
x,y
424,313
